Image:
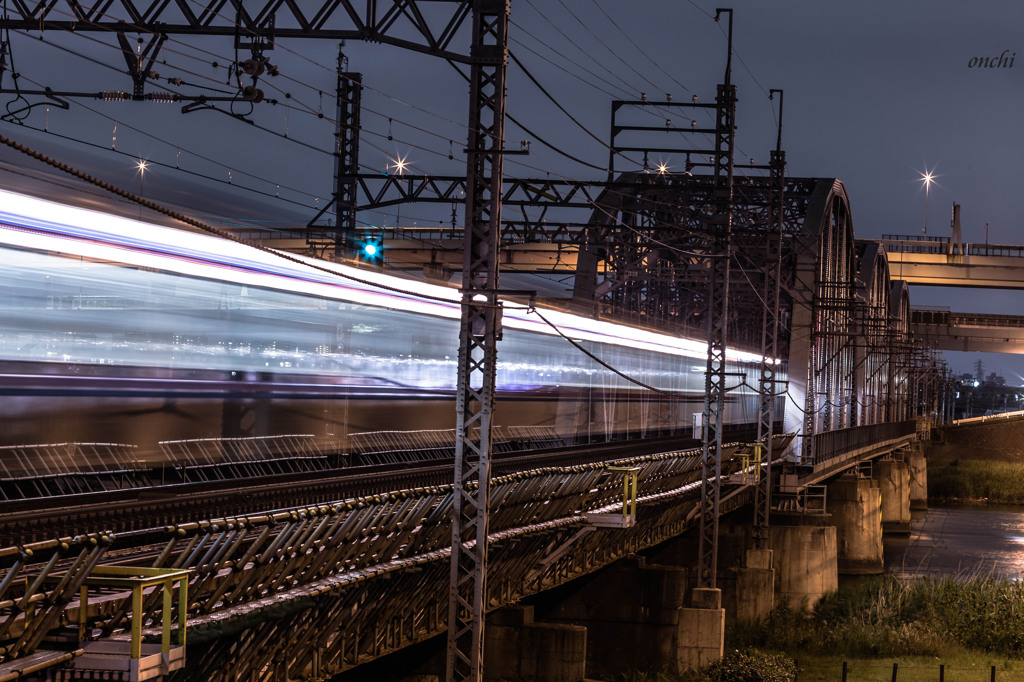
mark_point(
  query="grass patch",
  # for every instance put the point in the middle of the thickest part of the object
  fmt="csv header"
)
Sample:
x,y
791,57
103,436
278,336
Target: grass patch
x,y
952,480
967,624
962,668
883,617
751,665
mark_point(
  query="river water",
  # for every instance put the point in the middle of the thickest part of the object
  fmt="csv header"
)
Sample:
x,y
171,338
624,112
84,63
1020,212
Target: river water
x,y
960,540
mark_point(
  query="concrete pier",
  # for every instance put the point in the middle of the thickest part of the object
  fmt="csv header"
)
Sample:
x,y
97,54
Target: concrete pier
x,y
517,649
918,466
748,590
805,554
633,613
893,478
746,576
701,637
855,503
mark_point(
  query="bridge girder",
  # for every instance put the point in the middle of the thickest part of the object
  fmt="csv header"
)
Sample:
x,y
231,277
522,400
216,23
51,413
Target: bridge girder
x,y
945,330
935,263
427,26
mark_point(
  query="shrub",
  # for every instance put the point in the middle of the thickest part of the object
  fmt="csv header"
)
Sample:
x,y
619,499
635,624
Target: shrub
x,y
752,665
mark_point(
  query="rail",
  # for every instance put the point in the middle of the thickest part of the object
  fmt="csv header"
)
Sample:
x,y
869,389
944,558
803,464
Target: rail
x,y
38,583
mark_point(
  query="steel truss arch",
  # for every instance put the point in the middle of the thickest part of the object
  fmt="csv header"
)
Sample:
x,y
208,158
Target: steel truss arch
x,y
821,358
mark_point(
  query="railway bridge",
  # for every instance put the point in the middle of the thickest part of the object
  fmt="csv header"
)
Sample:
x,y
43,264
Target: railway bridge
x,y
261,554
239,461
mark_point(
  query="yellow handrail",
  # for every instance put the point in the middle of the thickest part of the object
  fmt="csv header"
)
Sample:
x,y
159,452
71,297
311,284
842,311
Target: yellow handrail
x,y
138,579
629,488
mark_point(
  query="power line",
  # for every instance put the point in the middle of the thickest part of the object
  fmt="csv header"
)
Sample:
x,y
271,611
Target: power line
x,y
641,50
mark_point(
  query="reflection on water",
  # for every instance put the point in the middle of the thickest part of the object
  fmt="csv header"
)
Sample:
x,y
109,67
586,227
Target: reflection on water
x,y
960,540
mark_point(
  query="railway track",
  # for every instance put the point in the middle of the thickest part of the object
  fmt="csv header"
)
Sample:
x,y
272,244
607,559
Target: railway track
x,y
137,511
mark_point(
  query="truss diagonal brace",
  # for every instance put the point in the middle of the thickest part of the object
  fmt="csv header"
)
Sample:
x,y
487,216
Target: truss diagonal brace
x,y
431,29
140,61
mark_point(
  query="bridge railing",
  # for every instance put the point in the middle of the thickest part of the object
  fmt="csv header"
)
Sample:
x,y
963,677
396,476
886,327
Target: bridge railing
x,y
831,445
988,417
909,243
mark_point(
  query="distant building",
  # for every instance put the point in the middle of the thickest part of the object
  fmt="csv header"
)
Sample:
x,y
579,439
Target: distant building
x,y
993,379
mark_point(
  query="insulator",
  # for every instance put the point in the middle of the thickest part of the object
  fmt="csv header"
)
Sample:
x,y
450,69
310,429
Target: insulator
x,y
251,93
114,96
252,67
165,97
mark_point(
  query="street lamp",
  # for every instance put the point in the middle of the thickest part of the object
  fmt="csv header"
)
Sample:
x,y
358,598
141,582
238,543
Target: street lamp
x,y
400,164
927,177
143,166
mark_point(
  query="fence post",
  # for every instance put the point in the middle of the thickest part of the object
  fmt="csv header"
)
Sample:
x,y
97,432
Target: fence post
x,y
844,671
942,672
895,670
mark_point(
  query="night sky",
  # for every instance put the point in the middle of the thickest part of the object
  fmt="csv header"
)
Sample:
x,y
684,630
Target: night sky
x,y
875,93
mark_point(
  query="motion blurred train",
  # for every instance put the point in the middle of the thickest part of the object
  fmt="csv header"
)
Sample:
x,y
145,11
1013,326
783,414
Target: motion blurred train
x,y
122,331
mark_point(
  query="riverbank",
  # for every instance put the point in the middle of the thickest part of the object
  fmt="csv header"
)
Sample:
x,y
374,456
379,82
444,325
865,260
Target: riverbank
x,y
886,617
966,624
978,481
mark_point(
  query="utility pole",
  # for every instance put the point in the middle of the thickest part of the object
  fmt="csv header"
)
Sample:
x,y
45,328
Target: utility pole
x,y
478,339
349,98
770,335
720,229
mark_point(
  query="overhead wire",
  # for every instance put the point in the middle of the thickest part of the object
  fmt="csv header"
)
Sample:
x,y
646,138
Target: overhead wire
x,y
529,132
622,91
309,110
628,37
182,148
165,142
257,126
553,147
601,42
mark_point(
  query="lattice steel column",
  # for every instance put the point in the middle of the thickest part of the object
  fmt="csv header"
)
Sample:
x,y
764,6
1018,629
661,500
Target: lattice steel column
x,y
770,337
349,95
478,339
720,228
